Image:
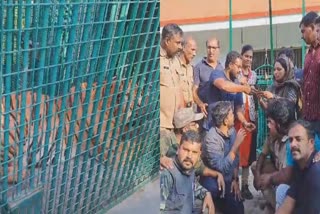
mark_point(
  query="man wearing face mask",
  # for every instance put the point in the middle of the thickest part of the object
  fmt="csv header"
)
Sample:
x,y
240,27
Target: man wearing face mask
x,y
225,87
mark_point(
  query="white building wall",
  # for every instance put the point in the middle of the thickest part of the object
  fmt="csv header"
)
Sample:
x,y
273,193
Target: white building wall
x,y
284,35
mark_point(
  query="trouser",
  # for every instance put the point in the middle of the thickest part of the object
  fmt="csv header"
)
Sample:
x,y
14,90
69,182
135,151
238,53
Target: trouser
x,y
228,204
281,194
197,207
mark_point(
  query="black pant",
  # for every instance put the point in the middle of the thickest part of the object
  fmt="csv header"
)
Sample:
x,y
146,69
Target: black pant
x,y
228,204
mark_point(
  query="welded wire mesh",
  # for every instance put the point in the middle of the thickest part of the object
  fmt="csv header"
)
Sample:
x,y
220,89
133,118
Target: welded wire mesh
x,y
265,78
79,103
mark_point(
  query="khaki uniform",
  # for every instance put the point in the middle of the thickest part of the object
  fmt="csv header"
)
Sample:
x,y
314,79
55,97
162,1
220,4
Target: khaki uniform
x,y
171,97
186,81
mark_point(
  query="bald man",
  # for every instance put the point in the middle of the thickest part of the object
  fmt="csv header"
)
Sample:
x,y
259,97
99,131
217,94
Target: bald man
x,y
202,73
185,69
171,97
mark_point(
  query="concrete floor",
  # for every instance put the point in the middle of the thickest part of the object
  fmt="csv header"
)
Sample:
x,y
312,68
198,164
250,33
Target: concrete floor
x,y
146,200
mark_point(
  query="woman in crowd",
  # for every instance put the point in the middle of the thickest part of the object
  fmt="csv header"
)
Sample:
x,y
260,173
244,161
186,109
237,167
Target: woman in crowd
x,y
284,85
247,150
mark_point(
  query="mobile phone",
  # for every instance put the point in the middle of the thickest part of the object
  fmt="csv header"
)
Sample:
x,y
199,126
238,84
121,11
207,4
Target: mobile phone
x,y
255,91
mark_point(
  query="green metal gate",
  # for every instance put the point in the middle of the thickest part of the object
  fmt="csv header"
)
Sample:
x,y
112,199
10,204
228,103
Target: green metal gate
x,y
265,78
79,103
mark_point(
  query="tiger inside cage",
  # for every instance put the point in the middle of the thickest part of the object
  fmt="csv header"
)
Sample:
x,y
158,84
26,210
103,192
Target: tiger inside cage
x,y
100,125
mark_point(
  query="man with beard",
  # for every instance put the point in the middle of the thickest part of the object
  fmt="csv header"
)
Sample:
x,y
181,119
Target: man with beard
x,y
177,185
310,30
280,114
224,86
304,192
185,120
220,152
202,72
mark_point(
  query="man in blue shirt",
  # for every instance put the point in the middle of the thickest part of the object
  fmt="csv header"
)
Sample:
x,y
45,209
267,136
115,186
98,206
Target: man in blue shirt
x,y
284,177
224,86
220,152
203,70
304,192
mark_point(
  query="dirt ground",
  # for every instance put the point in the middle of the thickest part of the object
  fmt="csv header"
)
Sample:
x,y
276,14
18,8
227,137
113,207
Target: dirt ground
x,y
257,205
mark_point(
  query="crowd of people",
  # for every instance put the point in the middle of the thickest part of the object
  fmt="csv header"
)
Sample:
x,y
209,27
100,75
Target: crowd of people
x,y
208,120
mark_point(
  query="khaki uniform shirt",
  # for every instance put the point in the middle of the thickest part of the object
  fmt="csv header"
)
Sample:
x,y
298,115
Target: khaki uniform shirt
x,y
186,80
170,93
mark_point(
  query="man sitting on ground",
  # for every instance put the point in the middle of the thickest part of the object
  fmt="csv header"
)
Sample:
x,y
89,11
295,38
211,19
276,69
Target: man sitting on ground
x,y
184,120
304,193
177,183
280,114
220,149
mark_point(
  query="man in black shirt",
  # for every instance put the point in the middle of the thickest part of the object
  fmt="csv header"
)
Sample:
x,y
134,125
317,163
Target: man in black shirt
x,y
304,193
